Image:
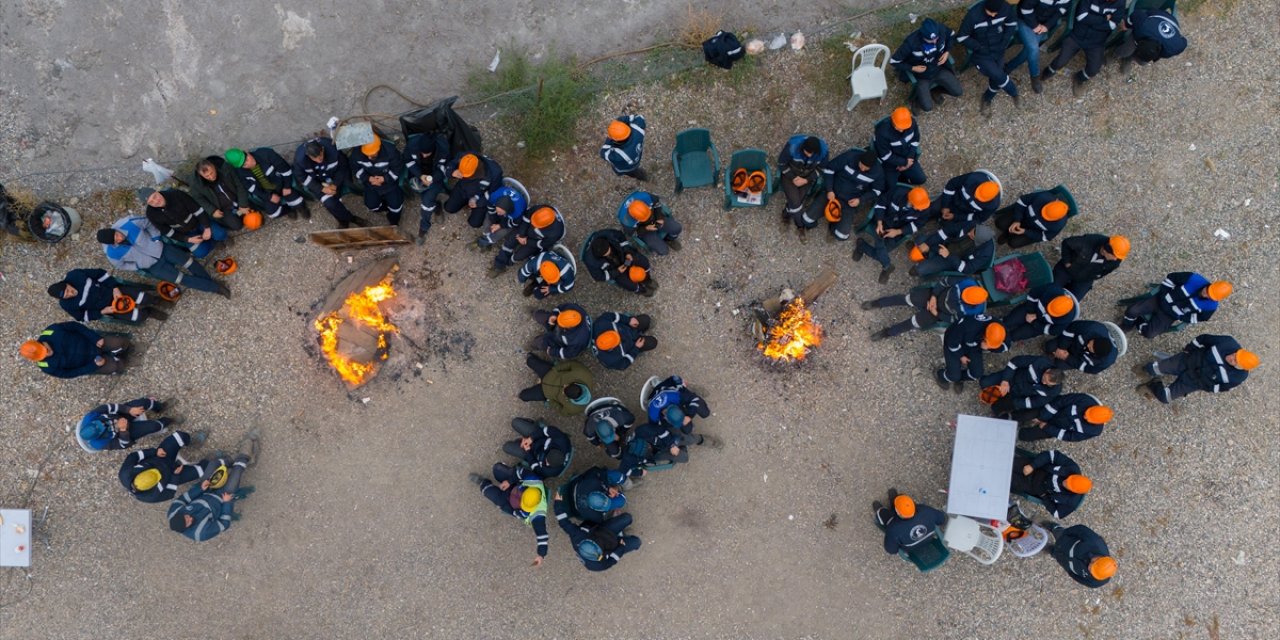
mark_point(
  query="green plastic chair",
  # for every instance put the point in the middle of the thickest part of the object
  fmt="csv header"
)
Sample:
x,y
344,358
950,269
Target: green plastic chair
x,y
1038,273
1064,194
695,160
751,160
928,554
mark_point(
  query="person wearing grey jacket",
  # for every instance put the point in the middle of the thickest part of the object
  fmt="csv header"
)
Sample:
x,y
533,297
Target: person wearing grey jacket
x,y
134,244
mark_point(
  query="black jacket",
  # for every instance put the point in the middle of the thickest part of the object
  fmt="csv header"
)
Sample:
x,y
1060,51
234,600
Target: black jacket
x,y
227,185
1205,363
1075,549
1082,257
180,217
987,36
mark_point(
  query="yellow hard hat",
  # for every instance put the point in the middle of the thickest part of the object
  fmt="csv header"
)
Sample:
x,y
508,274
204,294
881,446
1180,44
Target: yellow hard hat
x,y
146,480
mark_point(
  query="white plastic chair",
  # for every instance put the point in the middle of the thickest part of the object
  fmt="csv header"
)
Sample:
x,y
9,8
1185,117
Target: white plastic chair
x,y
867,78
1117,337
567,255
646,391
1033,541
979,541
515,184
994,179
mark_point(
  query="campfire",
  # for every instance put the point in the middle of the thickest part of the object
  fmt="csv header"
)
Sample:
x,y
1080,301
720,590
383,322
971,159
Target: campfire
x,y
784,327
353,327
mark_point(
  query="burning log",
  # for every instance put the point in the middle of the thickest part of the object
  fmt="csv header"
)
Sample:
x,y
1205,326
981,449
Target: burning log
x,y
784,328
353,330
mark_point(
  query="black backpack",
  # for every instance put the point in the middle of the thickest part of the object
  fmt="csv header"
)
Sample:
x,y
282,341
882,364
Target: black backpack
x,y
723,49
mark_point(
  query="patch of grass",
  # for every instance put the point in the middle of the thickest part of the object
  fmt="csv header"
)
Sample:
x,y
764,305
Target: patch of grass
x,y
24,201
1221,7
697,25
543,100
120,201
828,71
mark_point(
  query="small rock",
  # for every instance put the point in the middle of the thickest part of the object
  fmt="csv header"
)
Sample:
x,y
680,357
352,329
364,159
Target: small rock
x,y
1191,148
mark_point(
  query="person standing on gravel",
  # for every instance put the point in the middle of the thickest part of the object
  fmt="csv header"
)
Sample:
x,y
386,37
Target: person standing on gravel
x,y
1086,259
1083,554
924,54
520,494
568,331
1209,363
1183,297
201,514
986,30
154,475
623,147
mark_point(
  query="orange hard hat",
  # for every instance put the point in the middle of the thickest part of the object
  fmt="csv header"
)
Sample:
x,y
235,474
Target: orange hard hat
x,y
1060,306
468,164
34,350
1076,483
371,149
226,266
994,336
1218,291
915,254
973,295
252,220
549,272
1119,246
1054,211
833,211
637,274
123,304
1102,567
1098,415
904,506
987,191
639,210
168,291
608,340
918,198
1247,359
543,217
901,118
568,319
619,131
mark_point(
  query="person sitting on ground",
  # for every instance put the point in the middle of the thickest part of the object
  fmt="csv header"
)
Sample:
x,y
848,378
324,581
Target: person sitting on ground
x,y
643,214
541,447
1046,311
607,426
1051,477
1087,258
619,339
215,187
178,218
70,350
907,524
652,445
967,200
426,160
924,53
378,168
624,147
896,141
537,231
595,495
568,331
599,546
610,257
1070,417
520,494
154,475
476,178
1083,554
673,392
1024,386
326,173
121,425
133,244
799,167
268,179
1085,345
1092,27
546,274
1183,297
963,346
93,294
853,179
1150,35
1036,20
201,514
969,254
565,386
1208,363
894,220
1036,217
940,303
986,30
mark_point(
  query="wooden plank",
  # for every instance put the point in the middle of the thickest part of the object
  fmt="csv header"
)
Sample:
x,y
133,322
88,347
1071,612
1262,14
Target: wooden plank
x,y
819,285
367,275
359,238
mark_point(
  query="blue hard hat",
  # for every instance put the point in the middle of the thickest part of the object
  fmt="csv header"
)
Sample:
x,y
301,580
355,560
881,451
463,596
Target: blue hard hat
x,y
614,477
600,501
94,426
589,550
674,414
605,432
930,29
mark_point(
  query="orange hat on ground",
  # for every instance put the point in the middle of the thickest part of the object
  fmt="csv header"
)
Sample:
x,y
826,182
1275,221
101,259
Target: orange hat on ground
x,y
1076,483
619,131
468,164
637,274
1102,567
568,319
1060,306
904,506
608,340
639,210
918,198
901,118
1098,414
34,350
915,255
1218,291
1119,246
987,191
994,336
371,149
543,217
974,295
1247,359
1054,211
549,272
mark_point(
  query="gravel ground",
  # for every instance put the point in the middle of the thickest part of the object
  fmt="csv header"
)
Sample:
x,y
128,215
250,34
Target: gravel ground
x,y
364,524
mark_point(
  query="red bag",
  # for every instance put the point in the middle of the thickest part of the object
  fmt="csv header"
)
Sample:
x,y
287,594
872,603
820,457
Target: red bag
x,y
1011,277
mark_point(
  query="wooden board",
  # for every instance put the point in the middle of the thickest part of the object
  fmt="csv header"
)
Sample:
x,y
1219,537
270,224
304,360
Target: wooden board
x,y
365,276
810,293
359,238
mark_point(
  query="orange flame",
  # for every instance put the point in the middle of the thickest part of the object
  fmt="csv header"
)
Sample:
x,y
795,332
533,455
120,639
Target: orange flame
x,y
793,335
361,308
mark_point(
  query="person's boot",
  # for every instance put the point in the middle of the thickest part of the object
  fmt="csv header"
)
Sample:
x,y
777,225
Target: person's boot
x,y
198,438
941,380
1037,85
648,290
880,335
710,441
675,244
529,287
1126,64
1017,100
884,274
867,305
857,251
1048,72
639,174
157,315
958,387
1077,85
223,291
291,212
985,107
360,222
